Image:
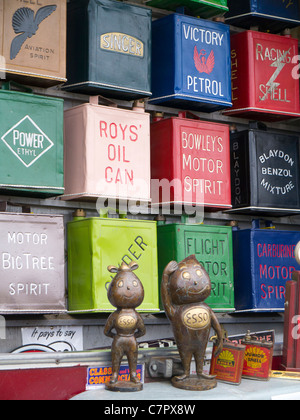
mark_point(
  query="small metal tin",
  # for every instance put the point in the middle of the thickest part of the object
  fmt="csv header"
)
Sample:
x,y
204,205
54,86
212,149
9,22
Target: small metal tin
x,y
258,358
228,366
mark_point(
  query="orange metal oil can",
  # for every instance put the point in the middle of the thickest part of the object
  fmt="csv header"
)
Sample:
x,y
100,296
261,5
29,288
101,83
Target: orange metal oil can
x,y
228,366
258,358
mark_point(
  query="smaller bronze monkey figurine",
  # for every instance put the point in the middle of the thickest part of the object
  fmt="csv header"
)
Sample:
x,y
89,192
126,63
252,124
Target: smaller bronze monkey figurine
x,y
184,288
126,293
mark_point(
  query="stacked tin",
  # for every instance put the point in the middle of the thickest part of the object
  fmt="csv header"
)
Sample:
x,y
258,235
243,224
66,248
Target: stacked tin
x,y
264,260
96,243
191,63
264,83
32,264
265,172
112,149
193,156
31,132
110,49
212,246
33,41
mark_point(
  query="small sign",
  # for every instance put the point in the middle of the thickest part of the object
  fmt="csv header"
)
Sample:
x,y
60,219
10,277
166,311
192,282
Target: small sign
x,y
97,377
27,141
62,339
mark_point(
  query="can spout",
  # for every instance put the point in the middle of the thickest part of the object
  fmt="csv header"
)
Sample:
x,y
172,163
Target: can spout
x,y
139,105
79,214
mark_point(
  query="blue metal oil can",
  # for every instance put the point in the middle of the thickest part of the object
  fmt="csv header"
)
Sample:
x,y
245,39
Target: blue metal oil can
x,y
191,63
263,262
109,49
270,15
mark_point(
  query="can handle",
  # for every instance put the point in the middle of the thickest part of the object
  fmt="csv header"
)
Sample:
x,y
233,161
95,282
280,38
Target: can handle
x,y
8,86
257,125
94,100
104,213
188,114
256,224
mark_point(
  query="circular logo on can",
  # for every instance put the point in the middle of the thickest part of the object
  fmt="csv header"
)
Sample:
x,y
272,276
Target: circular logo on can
x,y
126,322
196,318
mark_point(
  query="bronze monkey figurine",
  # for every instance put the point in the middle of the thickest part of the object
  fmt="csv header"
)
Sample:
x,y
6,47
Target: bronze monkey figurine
x,y
185,287
126,293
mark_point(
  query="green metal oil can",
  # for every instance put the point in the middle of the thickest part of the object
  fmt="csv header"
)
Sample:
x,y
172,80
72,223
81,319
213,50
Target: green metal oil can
x,y
212,246
96,243
31,144
203,8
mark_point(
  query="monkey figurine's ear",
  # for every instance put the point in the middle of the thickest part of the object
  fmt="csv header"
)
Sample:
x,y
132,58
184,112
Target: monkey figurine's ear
x,y
133,265
112,269
171,268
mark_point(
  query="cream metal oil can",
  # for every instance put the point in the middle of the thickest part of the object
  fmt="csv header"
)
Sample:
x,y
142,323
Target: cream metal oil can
x,y
32,264
33,41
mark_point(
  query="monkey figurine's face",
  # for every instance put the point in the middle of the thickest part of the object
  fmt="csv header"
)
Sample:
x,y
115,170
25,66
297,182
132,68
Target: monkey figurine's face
x,y
126,290
190,283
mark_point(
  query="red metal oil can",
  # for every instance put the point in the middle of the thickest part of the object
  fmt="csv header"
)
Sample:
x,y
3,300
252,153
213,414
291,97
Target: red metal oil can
x,y
228,366
265,83
193,155
258,358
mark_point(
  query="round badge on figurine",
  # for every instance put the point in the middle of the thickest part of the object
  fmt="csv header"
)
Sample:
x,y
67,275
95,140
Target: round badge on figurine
x,y
126,293
185,287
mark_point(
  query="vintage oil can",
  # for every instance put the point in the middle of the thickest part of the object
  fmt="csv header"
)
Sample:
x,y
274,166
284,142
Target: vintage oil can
x,y
228,366
107,152
265,177
192,156
191,63
268,15
31,144
32,264
265,84
258,358
263,263
33,41
212,246
110,49
204,9
96,243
